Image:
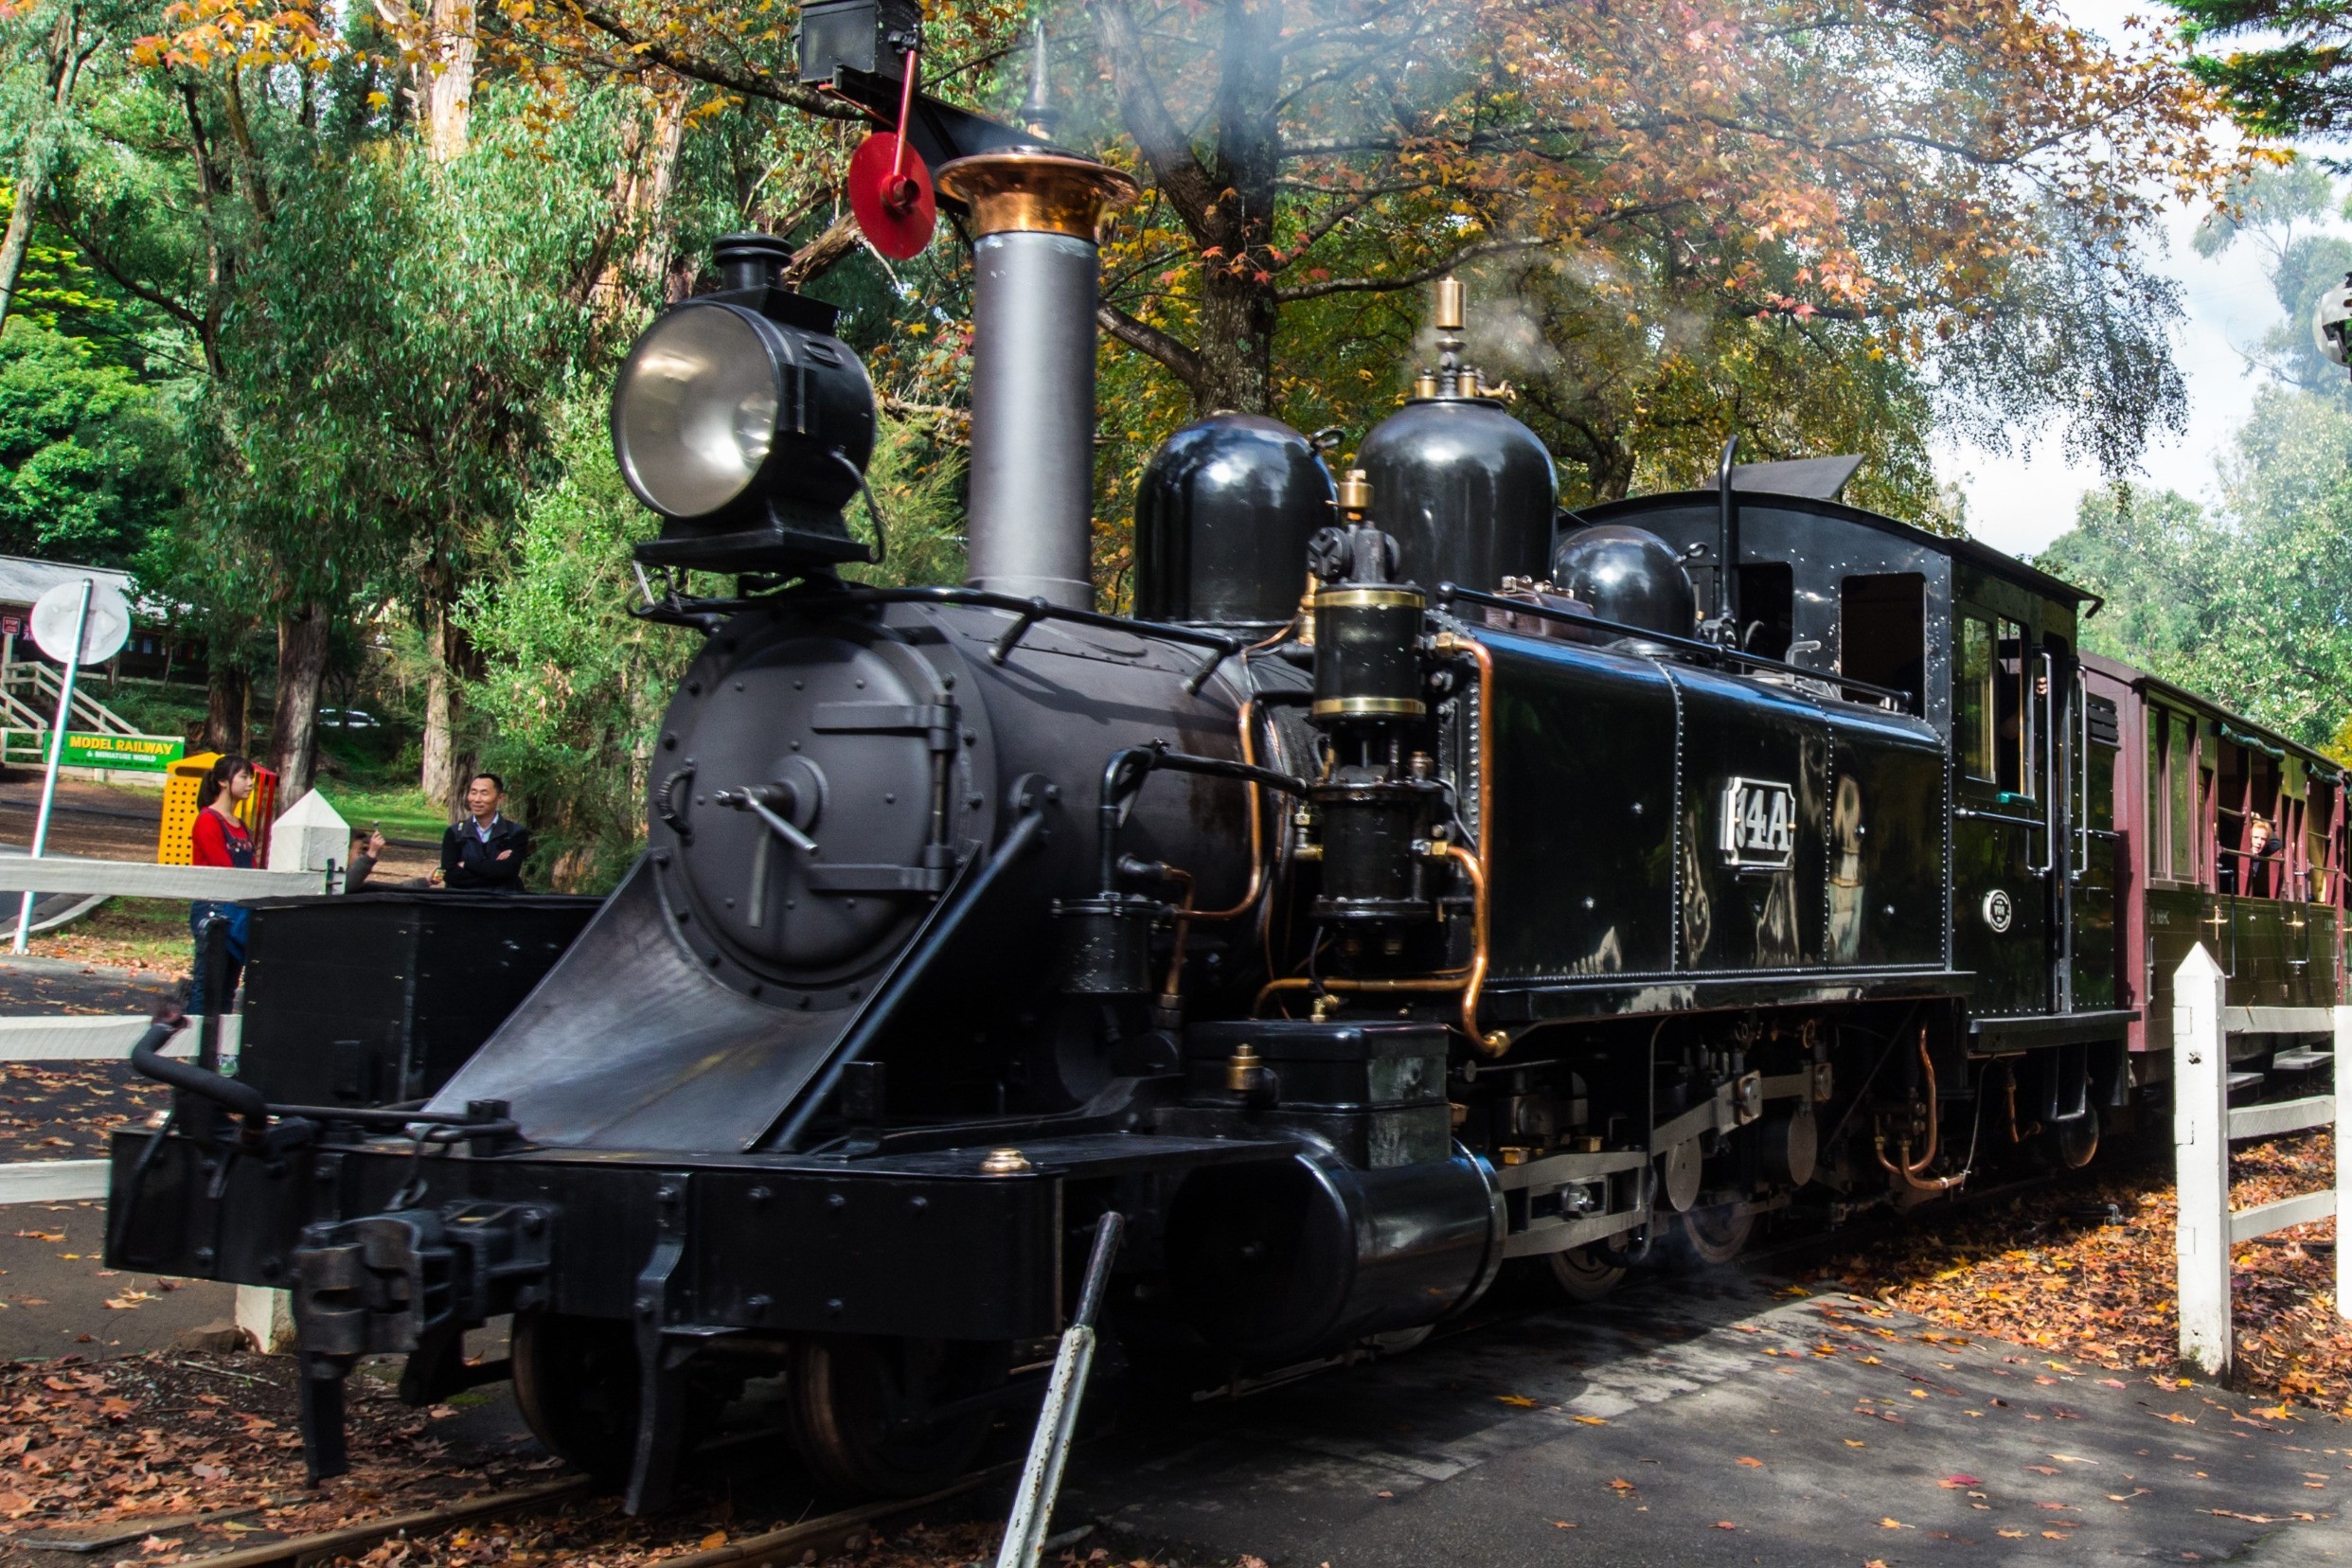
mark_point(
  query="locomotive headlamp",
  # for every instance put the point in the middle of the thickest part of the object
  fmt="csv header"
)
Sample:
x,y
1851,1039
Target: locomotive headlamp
x,y
694,411
742,419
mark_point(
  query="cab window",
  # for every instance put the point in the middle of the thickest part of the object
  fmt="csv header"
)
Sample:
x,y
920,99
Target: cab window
x,y
2014,668
1973,707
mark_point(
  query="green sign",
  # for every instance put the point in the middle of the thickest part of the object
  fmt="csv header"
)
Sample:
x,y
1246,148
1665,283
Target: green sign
x,y
147,752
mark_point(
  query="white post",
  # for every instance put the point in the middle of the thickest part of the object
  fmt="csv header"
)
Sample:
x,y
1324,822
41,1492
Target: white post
x,y
2344,1166
268,1317
2201,1138
57,755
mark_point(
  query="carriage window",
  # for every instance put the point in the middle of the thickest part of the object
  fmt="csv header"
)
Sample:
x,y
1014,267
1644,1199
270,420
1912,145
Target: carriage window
x,y
2179,775
1973,703
2319,881
1883,632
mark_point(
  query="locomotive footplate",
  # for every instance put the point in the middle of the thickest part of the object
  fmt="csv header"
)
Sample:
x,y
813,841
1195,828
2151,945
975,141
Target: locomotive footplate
x,y
919,1244
389,1250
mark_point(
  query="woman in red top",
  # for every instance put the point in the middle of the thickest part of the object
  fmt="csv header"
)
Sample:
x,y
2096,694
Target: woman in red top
x,y
220,839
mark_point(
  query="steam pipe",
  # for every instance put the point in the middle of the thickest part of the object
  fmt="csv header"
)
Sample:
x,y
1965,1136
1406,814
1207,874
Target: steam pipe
x,y
1727,546
1036,272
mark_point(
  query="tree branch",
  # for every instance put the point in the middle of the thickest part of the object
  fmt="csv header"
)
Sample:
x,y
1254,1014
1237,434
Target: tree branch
x,y
1404,281
1151,342
750,82
1175,169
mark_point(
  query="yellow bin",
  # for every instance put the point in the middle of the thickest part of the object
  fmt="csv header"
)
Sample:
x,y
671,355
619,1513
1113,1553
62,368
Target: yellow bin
x,y
174,841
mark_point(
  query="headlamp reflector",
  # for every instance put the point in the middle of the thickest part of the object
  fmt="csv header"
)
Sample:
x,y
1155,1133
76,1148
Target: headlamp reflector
x,y
694,410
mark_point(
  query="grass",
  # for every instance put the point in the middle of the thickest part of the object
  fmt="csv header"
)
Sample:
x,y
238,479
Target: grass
x,y
401,811
133,934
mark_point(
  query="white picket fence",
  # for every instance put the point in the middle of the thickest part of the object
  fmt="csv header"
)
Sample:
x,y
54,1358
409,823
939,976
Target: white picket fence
x,y
2203,1127
103,1037
110,1036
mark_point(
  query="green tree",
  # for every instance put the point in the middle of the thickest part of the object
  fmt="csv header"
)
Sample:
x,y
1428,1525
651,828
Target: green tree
x,y
2253,605
2290,80
86,466
2289,212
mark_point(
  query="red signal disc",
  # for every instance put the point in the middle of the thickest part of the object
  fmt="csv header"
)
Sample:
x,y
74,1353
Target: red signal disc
x,y
897,213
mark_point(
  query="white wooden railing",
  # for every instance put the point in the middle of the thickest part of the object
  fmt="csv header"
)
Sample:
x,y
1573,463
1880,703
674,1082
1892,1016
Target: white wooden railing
x,y
2203,1127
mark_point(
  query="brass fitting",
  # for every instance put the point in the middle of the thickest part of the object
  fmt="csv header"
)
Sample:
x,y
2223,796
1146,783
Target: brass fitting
x,y
1242,1067
1004,1162
1451,300
1355,495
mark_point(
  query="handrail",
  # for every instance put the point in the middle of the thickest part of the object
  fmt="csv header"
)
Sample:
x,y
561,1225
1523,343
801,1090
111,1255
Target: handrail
x,y
102,719
1449,592
2050,781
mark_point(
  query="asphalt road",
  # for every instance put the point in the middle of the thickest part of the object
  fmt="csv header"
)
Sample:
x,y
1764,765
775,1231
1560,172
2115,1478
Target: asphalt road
x,y
1736,1426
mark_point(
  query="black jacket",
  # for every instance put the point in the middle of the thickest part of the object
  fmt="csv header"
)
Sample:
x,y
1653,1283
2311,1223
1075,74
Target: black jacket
x,y
468,863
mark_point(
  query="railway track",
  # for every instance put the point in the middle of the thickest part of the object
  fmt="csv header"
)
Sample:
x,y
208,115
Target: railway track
x,y
824,1534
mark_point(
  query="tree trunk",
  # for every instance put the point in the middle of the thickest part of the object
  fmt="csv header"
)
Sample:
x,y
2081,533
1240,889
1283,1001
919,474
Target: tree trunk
x,y
294,725
1237,304
32,178
229,695
448,79
448,761
1237,347
438,778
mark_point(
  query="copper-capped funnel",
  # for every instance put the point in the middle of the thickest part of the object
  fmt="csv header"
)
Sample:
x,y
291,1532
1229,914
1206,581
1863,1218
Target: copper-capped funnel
x,y
1018,192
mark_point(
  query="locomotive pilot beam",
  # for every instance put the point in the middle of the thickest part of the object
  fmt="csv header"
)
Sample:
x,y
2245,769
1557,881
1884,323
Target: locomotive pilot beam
x,y
1431,883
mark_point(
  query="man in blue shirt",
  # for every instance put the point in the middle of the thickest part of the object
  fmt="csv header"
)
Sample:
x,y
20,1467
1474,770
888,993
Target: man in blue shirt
x,y
485,852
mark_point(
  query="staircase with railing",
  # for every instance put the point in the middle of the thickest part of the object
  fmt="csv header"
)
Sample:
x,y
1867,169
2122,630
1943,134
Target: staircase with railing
x,y
28,691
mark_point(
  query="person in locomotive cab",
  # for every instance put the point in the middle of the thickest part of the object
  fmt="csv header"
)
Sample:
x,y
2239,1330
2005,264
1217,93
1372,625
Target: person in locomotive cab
x,y
218,837
485,852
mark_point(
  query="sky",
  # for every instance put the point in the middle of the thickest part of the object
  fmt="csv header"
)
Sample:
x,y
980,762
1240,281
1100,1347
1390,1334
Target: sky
x,y
2021,500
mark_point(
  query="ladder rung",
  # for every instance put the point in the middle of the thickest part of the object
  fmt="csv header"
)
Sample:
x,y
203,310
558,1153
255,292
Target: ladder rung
x,y
2242,1081
2301,1060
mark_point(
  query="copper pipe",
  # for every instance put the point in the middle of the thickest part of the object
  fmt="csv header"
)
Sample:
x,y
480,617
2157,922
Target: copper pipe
x,y
1257,827
1172,988
1468,980
1907,1171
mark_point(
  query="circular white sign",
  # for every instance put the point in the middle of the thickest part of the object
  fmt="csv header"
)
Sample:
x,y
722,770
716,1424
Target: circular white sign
x,y
1999,912
102,636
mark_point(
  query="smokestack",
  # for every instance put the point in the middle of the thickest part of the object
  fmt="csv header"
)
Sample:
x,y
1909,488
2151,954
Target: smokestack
x,y
1034,217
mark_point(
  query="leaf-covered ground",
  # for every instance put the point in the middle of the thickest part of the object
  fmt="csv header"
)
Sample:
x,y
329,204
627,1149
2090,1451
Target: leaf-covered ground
x,y
155,1440
2089,1272
66,1109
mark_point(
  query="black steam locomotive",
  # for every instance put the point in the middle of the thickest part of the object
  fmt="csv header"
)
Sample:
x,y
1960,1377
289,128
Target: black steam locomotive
x,y
1423,879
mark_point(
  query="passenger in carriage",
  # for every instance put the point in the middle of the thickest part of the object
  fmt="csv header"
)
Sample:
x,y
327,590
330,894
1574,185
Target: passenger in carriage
x,y
2251,870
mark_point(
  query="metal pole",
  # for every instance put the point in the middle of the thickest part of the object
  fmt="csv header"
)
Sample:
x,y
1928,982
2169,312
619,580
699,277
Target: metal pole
x,y
57,755
1049,1447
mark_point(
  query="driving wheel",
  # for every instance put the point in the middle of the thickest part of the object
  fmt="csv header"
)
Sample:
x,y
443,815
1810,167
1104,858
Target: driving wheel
x,y
2074,1144
1718,1234
892,1418
1584,1275
575,1382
